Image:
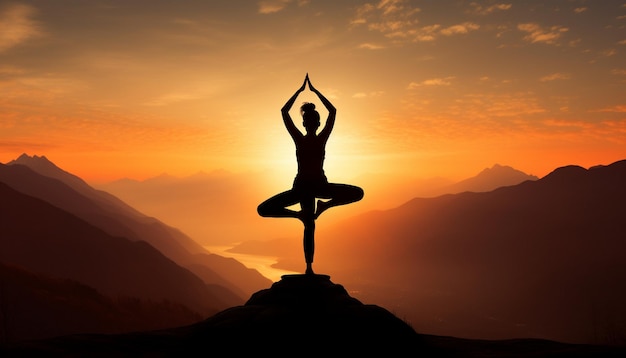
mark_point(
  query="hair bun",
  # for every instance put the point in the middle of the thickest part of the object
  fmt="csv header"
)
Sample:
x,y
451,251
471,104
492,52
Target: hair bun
x,y
307,106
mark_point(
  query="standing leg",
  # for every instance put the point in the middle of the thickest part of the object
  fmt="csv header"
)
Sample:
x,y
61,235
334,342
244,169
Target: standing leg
x,y
308,219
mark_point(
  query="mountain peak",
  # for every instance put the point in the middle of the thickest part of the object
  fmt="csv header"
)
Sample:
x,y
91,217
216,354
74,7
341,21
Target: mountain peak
x,y
491,178
43,166
27,160
498,169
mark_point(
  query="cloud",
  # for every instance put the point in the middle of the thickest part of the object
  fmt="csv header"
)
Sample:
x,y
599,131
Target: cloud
x,y
272,6
370,94
460,29
497,105
35,91
370,46
481,10
386,16
538,34
579,10
615,109
17,25
397,20
609,52
431,82
554,77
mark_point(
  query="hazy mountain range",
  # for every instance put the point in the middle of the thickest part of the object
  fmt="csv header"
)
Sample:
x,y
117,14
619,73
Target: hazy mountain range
x,y
544,258
538,258
224,204
53,224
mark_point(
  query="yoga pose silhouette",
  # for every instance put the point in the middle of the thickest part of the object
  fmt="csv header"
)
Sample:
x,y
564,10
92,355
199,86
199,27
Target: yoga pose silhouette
x,y
310,182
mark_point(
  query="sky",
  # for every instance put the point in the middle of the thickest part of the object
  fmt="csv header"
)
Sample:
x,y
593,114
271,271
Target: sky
x,y
133,89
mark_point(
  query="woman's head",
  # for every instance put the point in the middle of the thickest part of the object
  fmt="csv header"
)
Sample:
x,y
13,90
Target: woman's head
x,y
310,117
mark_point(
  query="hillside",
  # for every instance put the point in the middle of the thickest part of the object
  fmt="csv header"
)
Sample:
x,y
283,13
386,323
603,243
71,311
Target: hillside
x,y
38,177
36,306
44,239
541,259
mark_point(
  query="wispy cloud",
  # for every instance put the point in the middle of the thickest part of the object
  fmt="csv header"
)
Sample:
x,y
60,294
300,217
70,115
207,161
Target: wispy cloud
x,y
497,105
579,10
485,10
615,109
370,46
370,94
21,88
397,20
387,16
446,81
460,29
536,33
555,76
272,6
17,25
609,52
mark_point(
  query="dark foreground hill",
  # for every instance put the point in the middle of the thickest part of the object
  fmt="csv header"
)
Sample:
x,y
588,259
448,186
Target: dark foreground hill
x,y
35,306
301,315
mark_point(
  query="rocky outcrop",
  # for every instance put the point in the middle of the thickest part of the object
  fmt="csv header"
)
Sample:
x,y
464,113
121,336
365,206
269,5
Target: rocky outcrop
x,y
300,315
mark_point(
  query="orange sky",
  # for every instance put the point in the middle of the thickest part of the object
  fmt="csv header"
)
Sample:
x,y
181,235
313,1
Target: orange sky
x,y
112,89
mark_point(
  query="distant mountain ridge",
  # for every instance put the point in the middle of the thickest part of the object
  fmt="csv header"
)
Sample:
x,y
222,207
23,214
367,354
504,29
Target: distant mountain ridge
x,y
107,204
56,225
118,218
490,179
224,204
42,238
544,258
229,200
45,167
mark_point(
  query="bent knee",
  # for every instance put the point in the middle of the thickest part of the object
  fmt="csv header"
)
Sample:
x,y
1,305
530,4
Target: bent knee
x,y
263,209
358,193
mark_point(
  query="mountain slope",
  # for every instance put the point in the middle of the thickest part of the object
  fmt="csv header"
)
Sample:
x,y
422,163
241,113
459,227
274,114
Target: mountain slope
x,y
34,306
224,204
540,259
107,212
489,179
45,239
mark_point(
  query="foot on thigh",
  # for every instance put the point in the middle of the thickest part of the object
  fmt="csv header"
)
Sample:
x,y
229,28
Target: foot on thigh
x,y
321,207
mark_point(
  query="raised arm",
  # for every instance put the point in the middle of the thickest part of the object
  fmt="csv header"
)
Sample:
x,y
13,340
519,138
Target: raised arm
x,y
332,111
291,127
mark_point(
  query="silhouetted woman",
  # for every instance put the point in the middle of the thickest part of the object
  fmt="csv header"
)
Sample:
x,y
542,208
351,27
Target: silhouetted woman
x,y
310,182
